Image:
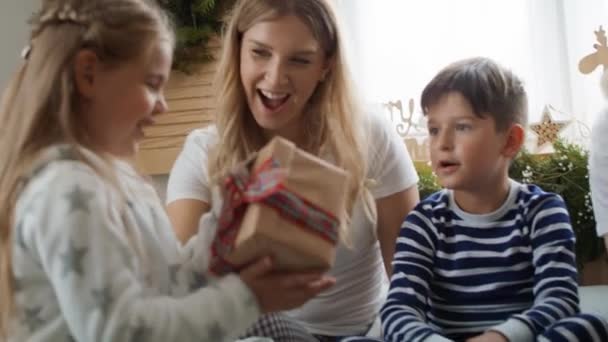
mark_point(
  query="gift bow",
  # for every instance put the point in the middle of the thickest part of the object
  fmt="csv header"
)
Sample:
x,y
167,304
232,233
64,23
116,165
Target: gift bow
x,y
265,185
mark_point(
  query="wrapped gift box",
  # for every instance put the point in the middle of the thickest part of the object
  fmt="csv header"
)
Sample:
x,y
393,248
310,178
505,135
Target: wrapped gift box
x,y
285,203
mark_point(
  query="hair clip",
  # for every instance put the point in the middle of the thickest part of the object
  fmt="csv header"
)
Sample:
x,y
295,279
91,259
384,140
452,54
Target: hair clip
x,y
25,53
63,14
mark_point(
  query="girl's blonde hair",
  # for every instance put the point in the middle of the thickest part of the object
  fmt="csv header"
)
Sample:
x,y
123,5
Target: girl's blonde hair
x,y
40,105
332,117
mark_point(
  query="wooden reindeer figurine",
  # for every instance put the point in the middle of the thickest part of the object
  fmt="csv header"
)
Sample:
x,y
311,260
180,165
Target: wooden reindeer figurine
x,y
599,57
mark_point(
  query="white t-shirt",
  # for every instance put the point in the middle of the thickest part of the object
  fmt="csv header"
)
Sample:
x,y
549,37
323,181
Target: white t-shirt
x,y
598,172
353,303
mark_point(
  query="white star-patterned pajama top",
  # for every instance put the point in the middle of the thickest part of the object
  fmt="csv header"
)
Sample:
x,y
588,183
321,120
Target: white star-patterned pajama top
x,y
91,263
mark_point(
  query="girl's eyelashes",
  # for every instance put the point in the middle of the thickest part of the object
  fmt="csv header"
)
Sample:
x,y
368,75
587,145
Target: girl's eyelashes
x,y
153,85
154,82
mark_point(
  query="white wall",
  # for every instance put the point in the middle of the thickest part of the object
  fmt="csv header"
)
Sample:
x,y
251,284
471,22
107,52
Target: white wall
x,y
14,33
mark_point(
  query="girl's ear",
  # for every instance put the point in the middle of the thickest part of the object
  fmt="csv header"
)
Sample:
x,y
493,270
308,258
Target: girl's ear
x,y
515,140
86,65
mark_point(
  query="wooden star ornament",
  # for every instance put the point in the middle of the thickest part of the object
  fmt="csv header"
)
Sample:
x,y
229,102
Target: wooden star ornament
x,y
547,130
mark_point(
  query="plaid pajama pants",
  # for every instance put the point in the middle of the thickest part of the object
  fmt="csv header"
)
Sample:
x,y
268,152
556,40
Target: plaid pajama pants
x,y
580,328
281,328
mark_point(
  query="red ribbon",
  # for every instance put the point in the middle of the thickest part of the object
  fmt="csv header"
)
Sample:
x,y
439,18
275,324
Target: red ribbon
x,y
264,185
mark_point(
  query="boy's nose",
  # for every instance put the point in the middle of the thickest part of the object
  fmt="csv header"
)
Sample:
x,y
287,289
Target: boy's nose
x,y
446,141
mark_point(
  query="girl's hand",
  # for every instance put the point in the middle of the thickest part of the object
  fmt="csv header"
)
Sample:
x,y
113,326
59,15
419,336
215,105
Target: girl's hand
x,y
278,291
489,336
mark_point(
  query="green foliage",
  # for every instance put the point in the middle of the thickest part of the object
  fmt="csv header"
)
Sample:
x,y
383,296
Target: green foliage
x,y
427,183
566,173
196,21
563,172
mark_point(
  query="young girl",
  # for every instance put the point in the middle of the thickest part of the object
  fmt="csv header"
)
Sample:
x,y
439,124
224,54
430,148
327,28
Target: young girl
x,y
282,72
87,252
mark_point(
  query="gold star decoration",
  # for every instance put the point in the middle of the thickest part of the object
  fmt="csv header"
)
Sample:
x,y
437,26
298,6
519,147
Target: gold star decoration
x,y
547,130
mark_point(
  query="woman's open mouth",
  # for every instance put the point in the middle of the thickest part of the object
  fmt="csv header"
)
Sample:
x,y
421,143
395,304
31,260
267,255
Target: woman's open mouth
x,y
273,101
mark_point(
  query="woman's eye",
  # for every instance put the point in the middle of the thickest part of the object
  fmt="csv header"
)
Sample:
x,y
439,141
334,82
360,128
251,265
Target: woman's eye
x,y
302,61
260,53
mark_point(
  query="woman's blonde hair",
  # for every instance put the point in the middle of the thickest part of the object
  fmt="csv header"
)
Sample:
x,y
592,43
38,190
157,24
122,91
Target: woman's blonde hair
x,y
39,107
332,117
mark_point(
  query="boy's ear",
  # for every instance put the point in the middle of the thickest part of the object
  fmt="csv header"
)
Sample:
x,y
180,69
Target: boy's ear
x,y
86,64
515,140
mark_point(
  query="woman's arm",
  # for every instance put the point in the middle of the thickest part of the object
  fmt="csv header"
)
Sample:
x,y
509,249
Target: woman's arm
x,y
188,186
185,215
392,210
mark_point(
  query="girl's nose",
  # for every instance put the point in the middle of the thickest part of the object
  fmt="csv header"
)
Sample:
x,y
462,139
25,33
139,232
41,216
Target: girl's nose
x,y
161,105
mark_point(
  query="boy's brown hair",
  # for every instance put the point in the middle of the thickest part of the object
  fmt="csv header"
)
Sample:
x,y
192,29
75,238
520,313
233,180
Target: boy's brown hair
x,y
492,90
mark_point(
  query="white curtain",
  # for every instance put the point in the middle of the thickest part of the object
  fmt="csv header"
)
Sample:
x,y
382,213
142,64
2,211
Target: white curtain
x,y
397,46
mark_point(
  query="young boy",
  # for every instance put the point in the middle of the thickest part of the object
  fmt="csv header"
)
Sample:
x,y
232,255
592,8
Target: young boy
x,y
487,258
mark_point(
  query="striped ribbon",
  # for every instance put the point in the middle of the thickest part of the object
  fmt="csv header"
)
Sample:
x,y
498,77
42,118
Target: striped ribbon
x,y
265,185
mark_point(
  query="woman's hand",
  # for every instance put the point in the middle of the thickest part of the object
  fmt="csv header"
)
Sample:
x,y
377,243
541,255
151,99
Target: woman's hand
x,y
277,291
489,336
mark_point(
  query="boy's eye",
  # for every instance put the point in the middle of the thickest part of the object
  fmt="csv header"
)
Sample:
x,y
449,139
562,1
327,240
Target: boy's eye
x,y
433,130
463,127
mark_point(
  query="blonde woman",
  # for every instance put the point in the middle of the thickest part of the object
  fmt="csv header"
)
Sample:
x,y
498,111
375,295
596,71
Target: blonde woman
x,y
283,72
86,250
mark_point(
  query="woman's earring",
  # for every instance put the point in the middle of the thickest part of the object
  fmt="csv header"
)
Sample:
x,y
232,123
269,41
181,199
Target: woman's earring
x,y
323,76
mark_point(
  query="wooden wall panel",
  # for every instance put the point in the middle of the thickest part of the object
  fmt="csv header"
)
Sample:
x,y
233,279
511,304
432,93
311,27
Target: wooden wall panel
x,y
191,105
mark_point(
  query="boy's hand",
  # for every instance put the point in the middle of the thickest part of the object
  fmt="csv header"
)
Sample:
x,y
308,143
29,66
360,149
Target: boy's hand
x,y
284,290
489,336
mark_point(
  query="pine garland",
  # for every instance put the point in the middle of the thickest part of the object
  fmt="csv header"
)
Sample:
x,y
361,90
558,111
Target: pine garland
x,y
196,22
